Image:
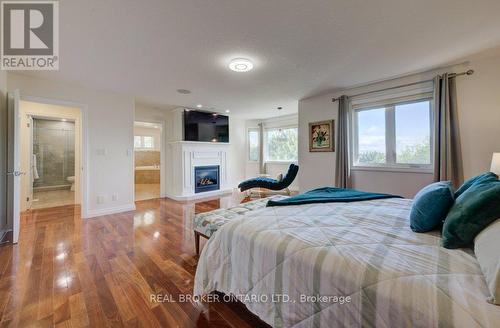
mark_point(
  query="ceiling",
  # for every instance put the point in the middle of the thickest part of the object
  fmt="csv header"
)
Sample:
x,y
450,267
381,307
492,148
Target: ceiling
x,y
149,49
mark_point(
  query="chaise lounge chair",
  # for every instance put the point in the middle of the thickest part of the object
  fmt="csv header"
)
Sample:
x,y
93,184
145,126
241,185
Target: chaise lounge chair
x,y
271,184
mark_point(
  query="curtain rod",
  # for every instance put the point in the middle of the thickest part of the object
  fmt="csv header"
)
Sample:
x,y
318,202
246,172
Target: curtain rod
x,y
452,75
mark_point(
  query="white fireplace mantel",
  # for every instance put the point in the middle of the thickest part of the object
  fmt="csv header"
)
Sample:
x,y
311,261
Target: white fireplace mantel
x,y
185,156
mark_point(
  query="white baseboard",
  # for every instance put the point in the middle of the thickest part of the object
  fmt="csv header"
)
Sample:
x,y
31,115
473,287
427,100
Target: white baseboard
x,y
108,211
207,194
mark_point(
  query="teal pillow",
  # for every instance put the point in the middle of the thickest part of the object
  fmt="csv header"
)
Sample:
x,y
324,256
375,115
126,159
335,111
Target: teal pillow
x,y
430,206
467,184
477,207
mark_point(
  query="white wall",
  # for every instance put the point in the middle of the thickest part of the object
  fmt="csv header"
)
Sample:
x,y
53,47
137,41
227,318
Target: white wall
x,y
110,119
3,152
237,154
52,111
317,169
479,116
479,112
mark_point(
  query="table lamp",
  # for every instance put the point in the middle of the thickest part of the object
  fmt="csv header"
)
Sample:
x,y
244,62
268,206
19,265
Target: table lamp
x,y
495,163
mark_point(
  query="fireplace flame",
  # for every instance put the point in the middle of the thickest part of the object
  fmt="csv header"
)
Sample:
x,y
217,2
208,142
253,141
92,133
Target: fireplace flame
x,y
206,181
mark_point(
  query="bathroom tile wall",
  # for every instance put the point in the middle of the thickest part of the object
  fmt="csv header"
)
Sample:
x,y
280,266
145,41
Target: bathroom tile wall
x,y
147,177
54,149
147,158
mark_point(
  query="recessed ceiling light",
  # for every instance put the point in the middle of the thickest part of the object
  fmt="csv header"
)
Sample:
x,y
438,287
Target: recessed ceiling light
x,y
240,65
199,105
227,110
63,120
184,91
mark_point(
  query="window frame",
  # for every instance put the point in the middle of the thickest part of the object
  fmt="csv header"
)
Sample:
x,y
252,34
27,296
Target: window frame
x,y
253,129
390,138
142,147
266,159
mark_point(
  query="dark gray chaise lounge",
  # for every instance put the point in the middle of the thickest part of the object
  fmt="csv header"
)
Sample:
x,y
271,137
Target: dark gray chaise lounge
x,y
271,184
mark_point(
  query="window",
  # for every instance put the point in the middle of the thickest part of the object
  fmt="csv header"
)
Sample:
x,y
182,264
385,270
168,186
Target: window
x,y
281,145
253,145
413,133
397,135
137,142
148,142
144,142
371,136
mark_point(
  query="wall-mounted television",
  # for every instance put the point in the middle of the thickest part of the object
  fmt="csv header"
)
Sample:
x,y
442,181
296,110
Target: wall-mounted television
x,y
205,126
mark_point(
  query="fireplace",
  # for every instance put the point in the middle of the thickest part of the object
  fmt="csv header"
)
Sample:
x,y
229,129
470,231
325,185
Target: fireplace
x,y
206,178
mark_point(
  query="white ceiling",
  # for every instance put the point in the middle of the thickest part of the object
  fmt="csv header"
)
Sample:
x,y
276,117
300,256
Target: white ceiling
x,y
149,49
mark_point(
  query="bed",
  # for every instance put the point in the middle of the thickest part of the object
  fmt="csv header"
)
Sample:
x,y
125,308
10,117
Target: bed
x,y
344,265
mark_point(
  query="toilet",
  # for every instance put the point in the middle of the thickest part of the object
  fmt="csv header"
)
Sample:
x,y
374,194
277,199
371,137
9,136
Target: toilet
x,y
72,181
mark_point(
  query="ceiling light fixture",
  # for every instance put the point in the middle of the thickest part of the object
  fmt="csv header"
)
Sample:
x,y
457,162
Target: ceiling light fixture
x,y
240,65
227,110
183,91
199,105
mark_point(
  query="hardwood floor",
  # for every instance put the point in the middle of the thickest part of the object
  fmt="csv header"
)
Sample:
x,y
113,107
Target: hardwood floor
x,y
69,272
147,191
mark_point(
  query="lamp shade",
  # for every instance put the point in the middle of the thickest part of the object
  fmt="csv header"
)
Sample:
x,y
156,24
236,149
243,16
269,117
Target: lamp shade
x,y
495,163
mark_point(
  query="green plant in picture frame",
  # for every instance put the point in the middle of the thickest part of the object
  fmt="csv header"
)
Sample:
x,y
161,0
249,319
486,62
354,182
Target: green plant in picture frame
x,y
321,136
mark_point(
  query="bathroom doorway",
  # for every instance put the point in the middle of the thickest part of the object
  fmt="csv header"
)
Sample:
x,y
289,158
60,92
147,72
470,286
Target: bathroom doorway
x,y
50,155
53,162
147,160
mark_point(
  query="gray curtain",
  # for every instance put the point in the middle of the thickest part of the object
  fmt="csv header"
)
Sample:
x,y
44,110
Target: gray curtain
x,y
262,164
342,174
447,148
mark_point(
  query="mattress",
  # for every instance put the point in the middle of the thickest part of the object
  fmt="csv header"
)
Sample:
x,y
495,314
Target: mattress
x,y
344,265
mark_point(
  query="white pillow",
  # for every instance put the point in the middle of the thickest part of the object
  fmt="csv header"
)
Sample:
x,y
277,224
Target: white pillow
x,y
487,250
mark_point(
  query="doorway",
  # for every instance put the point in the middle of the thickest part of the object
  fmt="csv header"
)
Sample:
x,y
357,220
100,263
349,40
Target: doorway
x,y
50,155
147,160
52,163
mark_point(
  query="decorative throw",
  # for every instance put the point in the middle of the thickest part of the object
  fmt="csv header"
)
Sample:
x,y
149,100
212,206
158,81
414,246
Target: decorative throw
x,y
330,195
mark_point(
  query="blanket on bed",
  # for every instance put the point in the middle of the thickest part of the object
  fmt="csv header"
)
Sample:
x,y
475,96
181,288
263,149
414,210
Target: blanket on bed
x,y
352,264
330,195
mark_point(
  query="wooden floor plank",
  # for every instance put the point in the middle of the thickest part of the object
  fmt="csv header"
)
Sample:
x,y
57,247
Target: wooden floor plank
x,y
69,272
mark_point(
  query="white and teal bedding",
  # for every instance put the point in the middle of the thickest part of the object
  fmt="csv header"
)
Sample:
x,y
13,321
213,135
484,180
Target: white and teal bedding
x,y
208,223
362,250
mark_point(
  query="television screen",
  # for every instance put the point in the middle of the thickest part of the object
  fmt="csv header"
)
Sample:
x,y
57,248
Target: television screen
x,y
205,126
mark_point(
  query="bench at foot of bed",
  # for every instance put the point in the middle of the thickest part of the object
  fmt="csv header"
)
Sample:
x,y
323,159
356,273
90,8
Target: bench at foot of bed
x,y
206,224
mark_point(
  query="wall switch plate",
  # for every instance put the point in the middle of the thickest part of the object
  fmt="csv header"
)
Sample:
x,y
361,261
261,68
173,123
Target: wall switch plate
x,y
102,151
114,198
101,199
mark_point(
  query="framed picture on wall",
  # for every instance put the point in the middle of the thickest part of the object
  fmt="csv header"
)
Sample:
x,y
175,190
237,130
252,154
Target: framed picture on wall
x,y
321,136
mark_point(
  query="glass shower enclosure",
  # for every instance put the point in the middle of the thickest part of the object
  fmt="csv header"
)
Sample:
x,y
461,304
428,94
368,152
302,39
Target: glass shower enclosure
x,y
53,154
